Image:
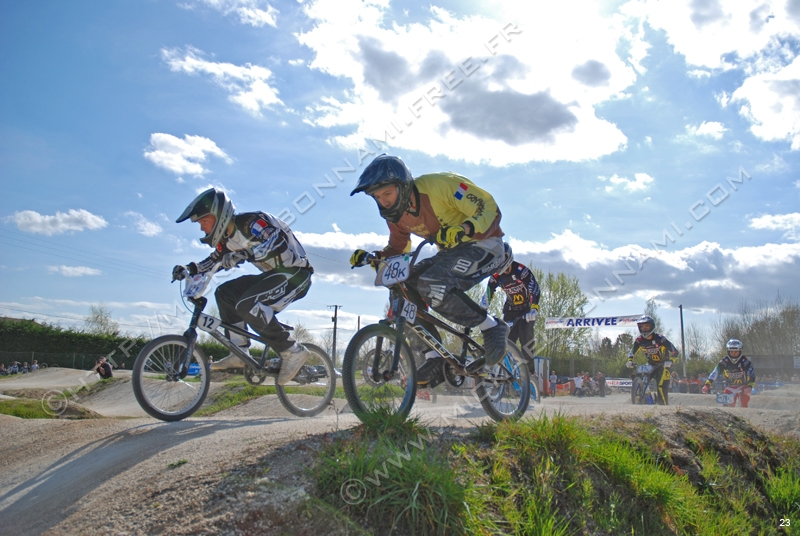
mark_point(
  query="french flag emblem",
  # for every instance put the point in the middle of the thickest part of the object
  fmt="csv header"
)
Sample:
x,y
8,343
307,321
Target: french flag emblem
x,y
462,189
258,226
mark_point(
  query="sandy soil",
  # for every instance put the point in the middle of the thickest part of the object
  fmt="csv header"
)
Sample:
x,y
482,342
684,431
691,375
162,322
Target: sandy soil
x,y
113,475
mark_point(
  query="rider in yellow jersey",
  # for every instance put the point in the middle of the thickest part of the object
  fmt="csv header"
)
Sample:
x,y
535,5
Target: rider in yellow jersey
x,y
655,347
465,221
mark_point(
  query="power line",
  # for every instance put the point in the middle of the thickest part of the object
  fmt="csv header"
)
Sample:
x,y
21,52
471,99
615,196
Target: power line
x,y
86,261
70,249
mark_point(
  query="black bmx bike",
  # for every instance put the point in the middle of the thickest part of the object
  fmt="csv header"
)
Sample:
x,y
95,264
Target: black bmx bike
x,y
171,375
379,371
644,389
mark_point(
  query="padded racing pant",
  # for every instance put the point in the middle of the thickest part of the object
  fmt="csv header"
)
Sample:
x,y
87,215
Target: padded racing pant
x,y
256,298
522,332
442,280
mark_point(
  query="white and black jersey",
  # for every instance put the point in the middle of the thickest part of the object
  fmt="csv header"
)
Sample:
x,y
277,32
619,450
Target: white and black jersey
x,y
268,242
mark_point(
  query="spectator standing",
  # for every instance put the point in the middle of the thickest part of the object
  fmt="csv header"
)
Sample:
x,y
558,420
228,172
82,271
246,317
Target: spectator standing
x,y
3,371
601,382
578,385
103,368
34,365
553,382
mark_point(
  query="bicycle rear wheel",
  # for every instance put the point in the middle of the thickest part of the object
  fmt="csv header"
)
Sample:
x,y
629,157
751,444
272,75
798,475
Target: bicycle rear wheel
x,y
313,388
506,392
367,394
158,390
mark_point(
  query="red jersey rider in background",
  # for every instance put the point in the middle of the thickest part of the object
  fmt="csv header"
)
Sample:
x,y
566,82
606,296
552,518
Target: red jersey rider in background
x,y
736,370
655,347
522,304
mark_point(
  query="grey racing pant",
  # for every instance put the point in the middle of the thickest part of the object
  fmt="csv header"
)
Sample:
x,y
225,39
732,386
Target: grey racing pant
x,y
442,280
255,299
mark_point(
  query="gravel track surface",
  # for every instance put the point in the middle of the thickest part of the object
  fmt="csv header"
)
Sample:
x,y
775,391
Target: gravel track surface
x,y
113,475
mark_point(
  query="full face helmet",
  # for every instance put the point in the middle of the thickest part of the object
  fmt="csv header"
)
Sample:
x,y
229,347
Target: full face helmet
x,y
214,202
734,345
646,325
383,171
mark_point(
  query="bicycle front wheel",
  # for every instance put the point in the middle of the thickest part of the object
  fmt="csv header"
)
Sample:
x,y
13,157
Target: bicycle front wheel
x,y
506,392
160,392
637,391
368,355
312,389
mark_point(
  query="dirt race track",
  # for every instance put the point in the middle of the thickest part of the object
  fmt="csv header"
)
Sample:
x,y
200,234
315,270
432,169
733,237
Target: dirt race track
x,y
100,476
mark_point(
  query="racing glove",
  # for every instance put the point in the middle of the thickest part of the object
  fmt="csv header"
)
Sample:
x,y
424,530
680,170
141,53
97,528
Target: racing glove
x,y
530,316
179,273
450,237
629,364
359,258
233,259
705,389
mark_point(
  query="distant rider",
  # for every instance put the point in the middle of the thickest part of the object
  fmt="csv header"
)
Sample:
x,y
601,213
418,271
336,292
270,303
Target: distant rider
x,y
465,222
655,347
521,306
737,370
269,244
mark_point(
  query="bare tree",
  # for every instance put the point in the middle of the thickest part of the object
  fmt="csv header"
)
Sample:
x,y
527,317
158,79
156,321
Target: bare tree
x,y
764,328
697,341
99,321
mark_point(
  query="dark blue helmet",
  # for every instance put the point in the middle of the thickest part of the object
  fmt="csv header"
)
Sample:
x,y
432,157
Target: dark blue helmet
x,y
646,325
383,171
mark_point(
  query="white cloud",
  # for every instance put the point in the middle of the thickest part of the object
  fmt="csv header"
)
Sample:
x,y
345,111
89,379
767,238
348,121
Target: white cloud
x,y
776,165
771,102
73,271
253,12
512,107
712,129
779,222
640,182
182,155
143,225
755,36
72,220
248,84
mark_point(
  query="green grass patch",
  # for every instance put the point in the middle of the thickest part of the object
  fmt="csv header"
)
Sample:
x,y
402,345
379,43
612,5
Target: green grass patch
x,y
236,392
174,465
27,408
560,475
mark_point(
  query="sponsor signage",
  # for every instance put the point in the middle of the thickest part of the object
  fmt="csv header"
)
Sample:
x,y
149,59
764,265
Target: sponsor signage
x,y
619,383
797,361
595,322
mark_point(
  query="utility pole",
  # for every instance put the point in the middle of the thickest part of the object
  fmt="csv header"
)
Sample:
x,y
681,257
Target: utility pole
x,y
683,345
335,320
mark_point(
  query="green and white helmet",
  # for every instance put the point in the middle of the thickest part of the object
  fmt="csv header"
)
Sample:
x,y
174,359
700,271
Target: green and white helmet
x,y
215,202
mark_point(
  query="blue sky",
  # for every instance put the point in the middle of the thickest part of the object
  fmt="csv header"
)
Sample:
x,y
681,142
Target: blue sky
x,y
596,126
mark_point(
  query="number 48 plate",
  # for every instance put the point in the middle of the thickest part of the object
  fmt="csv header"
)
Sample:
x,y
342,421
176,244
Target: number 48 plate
x,y
409,312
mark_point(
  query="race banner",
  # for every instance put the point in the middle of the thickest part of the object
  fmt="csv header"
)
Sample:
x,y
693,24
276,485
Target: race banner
x,y
628,321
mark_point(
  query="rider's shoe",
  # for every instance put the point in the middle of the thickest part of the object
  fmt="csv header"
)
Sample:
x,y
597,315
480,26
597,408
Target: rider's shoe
x,y
494,345
430,370
230,361
293,360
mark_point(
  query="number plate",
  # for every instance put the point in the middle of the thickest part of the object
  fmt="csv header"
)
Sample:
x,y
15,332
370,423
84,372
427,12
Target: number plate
x,y
409,312
393,270
725,398
644,369
208,323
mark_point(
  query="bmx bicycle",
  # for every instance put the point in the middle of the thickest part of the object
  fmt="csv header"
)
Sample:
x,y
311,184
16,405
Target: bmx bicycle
x,y
644,389
171,375
379,370
731,395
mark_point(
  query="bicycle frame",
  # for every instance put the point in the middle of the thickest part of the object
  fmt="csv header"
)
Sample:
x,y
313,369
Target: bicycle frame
x,y
397,310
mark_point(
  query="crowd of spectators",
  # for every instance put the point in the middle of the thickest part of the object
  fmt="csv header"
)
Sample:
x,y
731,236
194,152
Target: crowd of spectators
x,y
18,368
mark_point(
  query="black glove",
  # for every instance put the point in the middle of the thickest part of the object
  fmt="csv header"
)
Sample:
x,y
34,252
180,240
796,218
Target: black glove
x,y
179,273
450,237
233,259
359,258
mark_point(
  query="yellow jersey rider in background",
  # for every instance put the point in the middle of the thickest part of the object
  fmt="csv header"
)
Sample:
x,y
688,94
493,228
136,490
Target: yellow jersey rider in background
x,y
465,222
655,347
